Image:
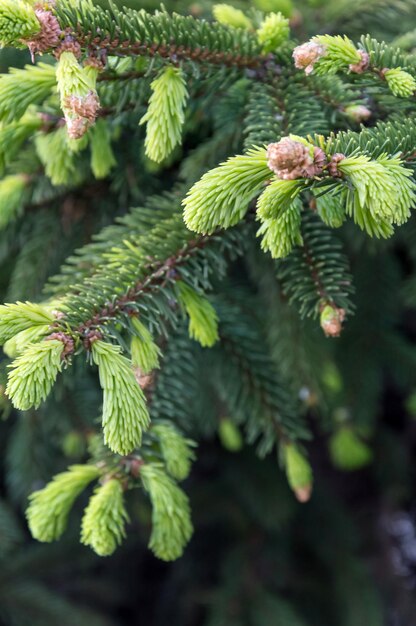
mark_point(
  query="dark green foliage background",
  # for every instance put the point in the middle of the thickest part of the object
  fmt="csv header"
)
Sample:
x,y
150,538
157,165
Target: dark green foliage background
x,y
258,558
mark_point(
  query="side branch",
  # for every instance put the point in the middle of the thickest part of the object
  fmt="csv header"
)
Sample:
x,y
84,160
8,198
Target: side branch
x,y
161,273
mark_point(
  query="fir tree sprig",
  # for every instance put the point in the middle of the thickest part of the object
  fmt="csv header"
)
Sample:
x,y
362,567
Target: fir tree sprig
x,y
177,451
277,198
328,54
21,316
377,197
18,22
103,523
142,33
49,507
125,413
317,272
102,155
171,521
132,285
142,285
203,319
21,88
12,196
165,115
383,192
18,343
401,83
33,373
230,16
57,157
280,234
145,353
209,204
273,32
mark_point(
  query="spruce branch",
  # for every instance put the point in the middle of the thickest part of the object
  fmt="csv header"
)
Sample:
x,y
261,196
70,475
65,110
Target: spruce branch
x,y
248,383
173,37
316,274
148,274
327,54
134,299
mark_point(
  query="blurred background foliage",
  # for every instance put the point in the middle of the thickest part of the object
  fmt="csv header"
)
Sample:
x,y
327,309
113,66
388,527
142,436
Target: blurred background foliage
x,y
258,558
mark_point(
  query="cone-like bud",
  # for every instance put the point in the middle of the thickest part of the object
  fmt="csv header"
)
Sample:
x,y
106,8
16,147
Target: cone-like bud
x,y
331,320
335,160
358,112
328,54
307,55
299,472
362,65
230,435
77,89
145,381
290,159
348,452
49,35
